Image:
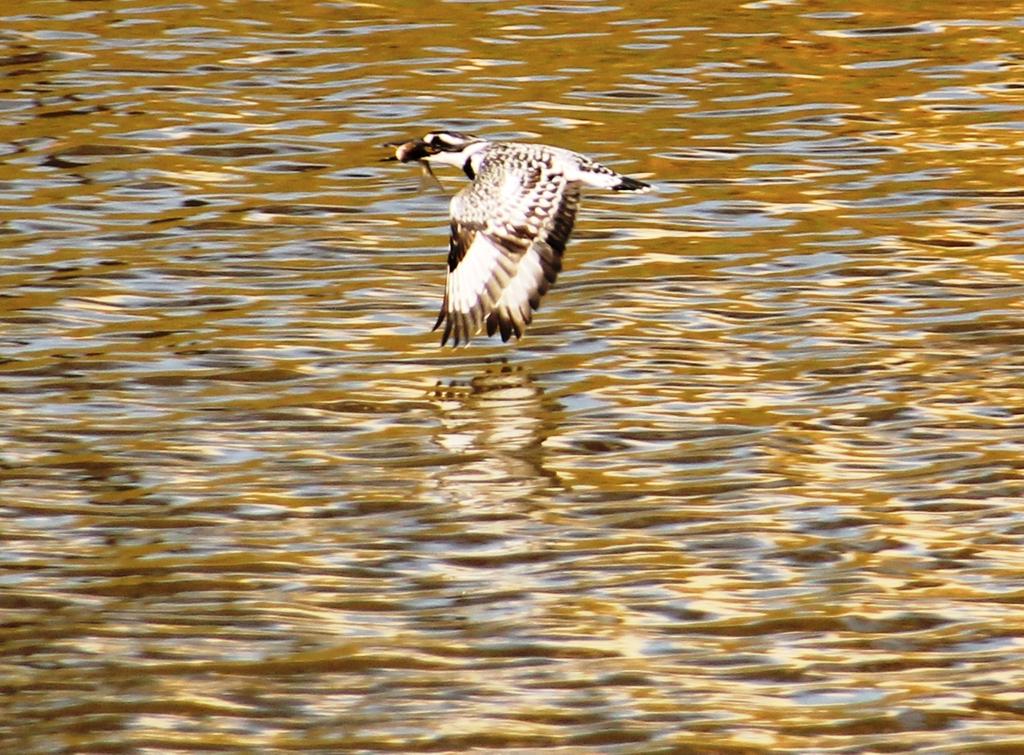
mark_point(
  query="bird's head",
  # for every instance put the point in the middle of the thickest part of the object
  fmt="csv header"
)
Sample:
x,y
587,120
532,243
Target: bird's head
x,y
442,147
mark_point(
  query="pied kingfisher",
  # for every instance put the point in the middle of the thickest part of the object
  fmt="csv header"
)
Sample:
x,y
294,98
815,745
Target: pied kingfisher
x,y
509,227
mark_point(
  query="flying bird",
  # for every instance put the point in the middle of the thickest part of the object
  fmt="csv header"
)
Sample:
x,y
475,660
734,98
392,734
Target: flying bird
x,y
509,227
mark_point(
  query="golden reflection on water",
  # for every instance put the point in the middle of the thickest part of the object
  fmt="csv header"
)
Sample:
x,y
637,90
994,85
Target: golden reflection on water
x,y
752,483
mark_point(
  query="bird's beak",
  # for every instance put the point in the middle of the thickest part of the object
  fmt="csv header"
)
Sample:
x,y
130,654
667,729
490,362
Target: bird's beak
x,y
407,152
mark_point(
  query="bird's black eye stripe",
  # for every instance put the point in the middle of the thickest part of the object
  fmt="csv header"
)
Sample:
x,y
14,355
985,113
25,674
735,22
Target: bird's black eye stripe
x,y
445,141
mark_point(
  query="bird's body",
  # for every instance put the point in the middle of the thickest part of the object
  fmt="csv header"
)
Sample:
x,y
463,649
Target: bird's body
x,y
509,227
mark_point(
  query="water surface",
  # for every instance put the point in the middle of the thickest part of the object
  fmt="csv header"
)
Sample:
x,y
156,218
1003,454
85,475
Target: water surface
x,y
752,483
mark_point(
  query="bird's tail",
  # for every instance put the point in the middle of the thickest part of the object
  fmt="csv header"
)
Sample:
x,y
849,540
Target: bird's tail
x,y
630,184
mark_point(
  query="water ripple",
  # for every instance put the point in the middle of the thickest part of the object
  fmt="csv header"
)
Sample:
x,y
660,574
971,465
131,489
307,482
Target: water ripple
x,y
762,442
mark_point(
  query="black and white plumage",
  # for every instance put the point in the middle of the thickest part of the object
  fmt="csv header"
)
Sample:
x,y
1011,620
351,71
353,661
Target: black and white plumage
x,y
509,227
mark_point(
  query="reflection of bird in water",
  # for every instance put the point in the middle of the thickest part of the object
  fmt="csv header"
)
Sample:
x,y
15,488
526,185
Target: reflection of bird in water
x,y
509,226
496,423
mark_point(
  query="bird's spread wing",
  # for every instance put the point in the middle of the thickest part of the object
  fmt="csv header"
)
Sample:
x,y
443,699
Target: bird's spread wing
x,y
509,231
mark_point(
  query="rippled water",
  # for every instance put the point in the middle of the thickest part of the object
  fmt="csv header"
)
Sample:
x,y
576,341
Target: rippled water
x,y
754,481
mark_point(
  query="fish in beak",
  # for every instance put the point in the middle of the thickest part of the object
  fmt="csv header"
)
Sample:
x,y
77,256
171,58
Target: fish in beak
x,y
416,150
407,152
